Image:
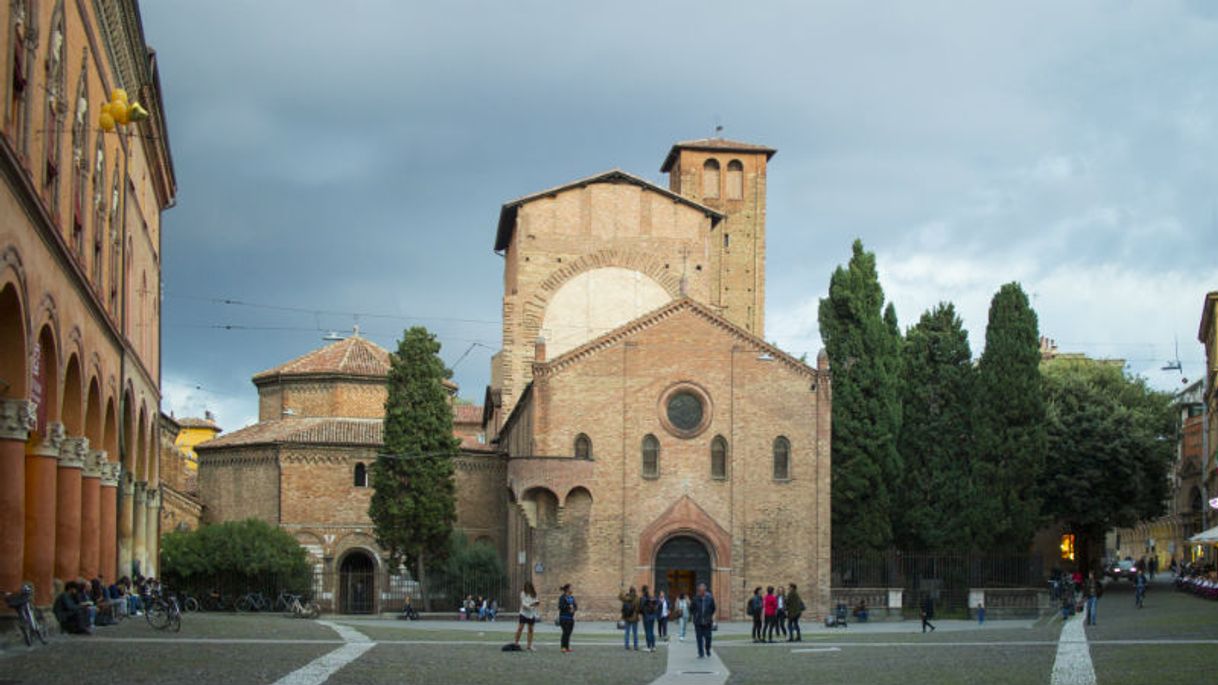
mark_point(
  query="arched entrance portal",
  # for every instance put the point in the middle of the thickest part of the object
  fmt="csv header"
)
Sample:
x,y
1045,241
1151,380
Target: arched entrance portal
x,y
357,583
681,564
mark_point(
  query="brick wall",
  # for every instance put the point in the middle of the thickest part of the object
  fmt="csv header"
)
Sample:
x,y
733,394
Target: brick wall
x,y
319,486
240,484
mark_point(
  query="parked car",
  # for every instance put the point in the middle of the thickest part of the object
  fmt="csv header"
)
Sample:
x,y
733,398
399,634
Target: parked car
x,y
1124,569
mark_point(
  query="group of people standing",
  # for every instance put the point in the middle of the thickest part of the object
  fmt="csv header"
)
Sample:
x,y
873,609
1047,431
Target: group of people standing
x,y
777,612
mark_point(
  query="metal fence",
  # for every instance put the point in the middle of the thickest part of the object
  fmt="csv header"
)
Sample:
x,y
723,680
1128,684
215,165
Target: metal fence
x,y
944,578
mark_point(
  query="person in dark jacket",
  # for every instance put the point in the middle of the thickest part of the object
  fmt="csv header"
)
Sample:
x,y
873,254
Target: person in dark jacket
x,y
928,612
651,610
566,616
795,609
702,609
755,609
72,615
630,616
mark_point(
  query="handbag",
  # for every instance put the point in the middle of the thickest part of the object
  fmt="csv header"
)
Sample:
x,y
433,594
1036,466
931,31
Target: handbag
x,y
621,625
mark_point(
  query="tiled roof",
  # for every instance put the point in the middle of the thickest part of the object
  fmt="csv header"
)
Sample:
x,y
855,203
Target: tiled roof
x,y
467,413
712,144
191,422
353,356
309,430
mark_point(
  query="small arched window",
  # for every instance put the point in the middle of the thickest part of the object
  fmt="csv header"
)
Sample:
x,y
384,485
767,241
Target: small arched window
x,y
710,178
719,458
735,180
782,458
361,475
651,457
583,447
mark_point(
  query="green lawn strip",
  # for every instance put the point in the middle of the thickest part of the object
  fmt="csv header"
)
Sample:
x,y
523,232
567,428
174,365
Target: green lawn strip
x,y
476,664
892,665
78,660
195,626
1141,664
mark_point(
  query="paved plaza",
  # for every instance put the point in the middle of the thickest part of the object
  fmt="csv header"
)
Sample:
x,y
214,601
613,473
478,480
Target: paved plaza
x,y
1173,639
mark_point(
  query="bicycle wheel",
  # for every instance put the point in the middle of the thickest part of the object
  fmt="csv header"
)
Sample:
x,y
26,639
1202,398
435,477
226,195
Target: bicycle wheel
x,y
245,604
25,622
312,610
40,625
175,621
192,604
157,615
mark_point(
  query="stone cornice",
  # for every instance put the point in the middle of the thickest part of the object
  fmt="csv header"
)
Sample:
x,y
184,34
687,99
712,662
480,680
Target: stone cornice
x,y
52,442
110,474
324,458
73,453
215,459
17,419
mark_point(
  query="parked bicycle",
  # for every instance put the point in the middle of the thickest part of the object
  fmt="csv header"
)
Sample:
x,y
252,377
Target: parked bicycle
x,y
163,613
29,617
253,601
284,601
214,601
301,609
191,604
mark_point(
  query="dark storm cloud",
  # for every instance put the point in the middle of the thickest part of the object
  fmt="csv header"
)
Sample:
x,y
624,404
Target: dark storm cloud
x,y
353,156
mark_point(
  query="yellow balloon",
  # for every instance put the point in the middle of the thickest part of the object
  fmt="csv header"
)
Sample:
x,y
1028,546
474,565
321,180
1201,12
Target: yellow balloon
x,y
120,114
136,113
119,95
106,122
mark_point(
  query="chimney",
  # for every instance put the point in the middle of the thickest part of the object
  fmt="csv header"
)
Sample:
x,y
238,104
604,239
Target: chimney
x,y
539,349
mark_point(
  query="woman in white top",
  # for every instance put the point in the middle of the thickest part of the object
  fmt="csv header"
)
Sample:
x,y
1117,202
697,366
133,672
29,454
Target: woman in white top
x,y
528,612
683,613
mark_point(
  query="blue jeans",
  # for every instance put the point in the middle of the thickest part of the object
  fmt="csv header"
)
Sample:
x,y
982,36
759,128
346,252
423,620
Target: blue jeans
x,y
980,614
1091,602
684,620
649,630
632,627
703,634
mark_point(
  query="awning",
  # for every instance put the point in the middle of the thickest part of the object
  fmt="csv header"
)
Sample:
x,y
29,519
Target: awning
x,y
1210,535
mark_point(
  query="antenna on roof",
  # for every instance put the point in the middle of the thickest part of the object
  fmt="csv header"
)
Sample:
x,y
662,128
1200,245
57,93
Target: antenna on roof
x,y
332,336
1174,364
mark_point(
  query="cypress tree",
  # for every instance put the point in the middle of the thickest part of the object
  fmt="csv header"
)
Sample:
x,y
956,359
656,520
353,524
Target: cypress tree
x,y
863,343
935,503
413,501
1011,434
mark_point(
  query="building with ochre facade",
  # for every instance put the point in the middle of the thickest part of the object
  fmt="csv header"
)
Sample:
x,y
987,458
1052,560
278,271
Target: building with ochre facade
x,y
80,294
652,436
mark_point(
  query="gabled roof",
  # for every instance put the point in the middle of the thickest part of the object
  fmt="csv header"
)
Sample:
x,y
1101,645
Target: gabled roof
x,y
467,413
713,144
310,430
684,304
353,356
507,215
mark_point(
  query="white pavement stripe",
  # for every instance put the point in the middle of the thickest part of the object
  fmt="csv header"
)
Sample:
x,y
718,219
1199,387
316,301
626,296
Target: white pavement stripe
x,y
811,650
320,669
1073,663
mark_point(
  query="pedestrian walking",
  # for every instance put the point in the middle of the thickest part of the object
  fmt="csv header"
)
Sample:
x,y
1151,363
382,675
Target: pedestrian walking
x,y
683,613
630,616
755,609
928,612
1139,592
1092,591
769,609
566,616
980,613
662,620
651,610
702,609
795,609
528,612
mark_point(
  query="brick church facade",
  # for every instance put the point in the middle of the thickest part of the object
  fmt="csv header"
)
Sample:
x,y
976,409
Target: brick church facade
x,y
638,430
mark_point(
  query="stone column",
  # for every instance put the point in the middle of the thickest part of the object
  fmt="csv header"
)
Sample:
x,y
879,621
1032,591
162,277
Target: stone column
x,y
126,522
72,457
139,548
41,463
90,515
16,422
108,530
152,533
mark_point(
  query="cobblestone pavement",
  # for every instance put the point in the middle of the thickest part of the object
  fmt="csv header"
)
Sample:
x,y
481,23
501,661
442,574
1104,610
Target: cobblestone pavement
x,y
1172,639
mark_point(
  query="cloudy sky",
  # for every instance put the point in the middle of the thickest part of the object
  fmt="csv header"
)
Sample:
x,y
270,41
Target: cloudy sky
x,y
340,158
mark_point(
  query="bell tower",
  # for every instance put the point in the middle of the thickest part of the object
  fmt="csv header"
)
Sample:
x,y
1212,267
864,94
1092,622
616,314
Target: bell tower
x,y
729,176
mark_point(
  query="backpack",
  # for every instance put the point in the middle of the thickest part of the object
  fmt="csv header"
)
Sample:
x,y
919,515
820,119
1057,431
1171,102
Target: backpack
x,y
627,609
649,606
753,602
510,647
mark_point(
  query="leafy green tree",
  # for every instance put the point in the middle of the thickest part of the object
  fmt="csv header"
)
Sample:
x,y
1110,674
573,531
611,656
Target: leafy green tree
x,y
238,554
1010,423
413,505
1108,437
471,568
934,508
863,343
